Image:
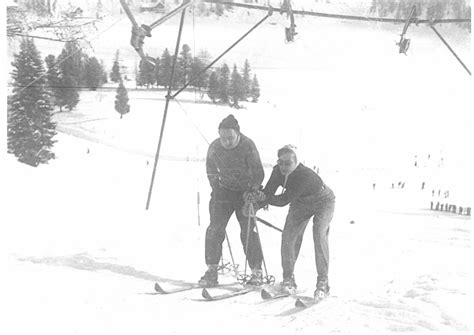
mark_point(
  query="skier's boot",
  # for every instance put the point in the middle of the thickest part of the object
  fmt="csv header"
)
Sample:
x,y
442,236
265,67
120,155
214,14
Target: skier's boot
x,y
322,290
210,277
256,278
288,285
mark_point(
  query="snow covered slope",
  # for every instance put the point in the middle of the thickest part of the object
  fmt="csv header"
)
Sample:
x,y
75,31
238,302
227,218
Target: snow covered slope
x,y
81,254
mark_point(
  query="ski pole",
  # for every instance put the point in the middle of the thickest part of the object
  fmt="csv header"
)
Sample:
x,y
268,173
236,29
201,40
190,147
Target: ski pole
x,y
252,212
268,224
231,255
247,243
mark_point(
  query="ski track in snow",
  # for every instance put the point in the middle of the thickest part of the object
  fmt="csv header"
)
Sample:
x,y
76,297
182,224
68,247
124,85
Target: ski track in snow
x,y
103,263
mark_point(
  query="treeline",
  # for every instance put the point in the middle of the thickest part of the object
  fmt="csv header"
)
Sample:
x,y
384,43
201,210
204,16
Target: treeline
x,y
70,71
436,9
220,84
37,88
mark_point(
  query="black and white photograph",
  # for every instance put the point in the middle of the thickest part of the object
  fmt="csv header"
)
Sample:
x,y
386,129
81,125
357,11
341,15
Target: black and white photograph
x,y
237,167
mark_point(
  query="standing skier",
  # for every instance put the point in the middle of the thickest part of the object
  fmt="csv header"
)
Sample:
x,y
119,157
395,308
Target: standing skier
x,y
233,168
308,197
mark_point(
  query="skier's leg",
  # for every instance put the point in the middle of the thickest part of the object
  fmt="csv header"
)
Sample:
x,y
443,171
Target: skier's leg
x,y
321,223
291,239
254,252
220,210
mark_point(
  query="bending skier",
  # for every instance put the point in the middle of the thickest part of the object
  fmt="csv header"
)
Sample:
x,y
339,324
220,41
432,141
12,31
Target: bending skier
x,y
308,197
233,168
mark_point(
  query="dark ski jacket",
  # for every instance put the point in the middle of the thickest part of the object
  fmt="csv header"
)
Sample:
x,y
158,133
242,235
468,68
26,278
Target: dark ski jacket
x,y
236,169
303,188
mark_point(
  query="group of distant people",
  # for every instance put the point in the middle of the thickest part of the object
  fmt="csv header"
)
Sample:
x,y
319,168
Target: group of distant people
x,y
235,174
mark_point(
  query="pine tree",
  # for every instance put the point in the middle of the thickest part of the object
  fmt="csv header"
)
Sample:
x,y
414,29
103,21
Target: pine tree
x,y
53,78
213,88
219,9
74,59
246,81
30,129
202,9
157,71
71,69
93,74
166,65
184,65
254,89
121,100
100,9
104,73
373,7
138,77
224,84
147,75
198,64
196,67
236,90
115,74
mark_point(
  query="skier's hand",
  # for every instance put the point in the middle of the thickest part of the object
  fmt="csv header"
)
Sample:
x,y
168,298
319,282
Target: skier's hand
x,y
254,196
246,208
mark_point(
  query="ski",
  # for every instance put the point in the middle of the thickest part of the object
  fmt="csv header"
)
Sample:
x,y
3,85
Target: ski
x,y
188,287
160,290
266,295
305,302
209,297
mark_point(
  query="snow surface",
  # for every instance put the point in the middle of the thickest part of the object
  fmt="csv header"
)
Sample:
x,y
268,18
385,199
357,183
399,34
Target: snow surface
x,y
82,254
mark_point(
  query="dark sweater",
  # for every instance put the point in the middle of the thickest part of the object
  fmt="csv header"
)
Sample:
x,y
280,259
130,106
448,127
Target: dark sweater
x,y
303,188
236,169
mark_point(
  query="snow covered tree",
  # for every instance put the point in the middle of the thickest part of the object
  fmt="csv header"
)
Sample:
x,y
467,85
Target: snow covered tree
x,y
93,73
166,64
213,87
219,9
432,9
70,64
115,74
30,128
138,78
121,100
196,67
104,73
99,9
246,81
202,9
53,78
184,65
157,71
224,84
254,89
74,59
146,73
236,89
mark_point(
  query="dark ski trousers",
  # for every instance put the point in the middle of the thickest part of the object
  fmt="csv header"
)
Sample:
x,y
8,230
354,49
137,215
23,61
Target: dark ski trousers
x,y
292,237
223,204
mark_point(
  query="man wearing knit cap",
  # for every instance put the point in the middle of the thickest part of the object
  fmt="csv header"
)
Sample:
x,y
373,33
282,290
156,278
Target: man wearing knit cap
x,y
308,198
233,168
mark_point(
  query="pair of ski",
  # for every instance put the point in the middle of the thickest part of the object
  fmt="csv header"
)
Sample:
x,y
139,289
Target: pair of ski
x,y
206,294
300,302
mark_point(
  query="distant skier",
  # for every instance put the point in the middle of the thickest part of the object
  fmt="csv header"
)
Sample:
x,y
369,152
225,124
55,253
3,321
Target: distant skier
x,y
233,167
308,198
